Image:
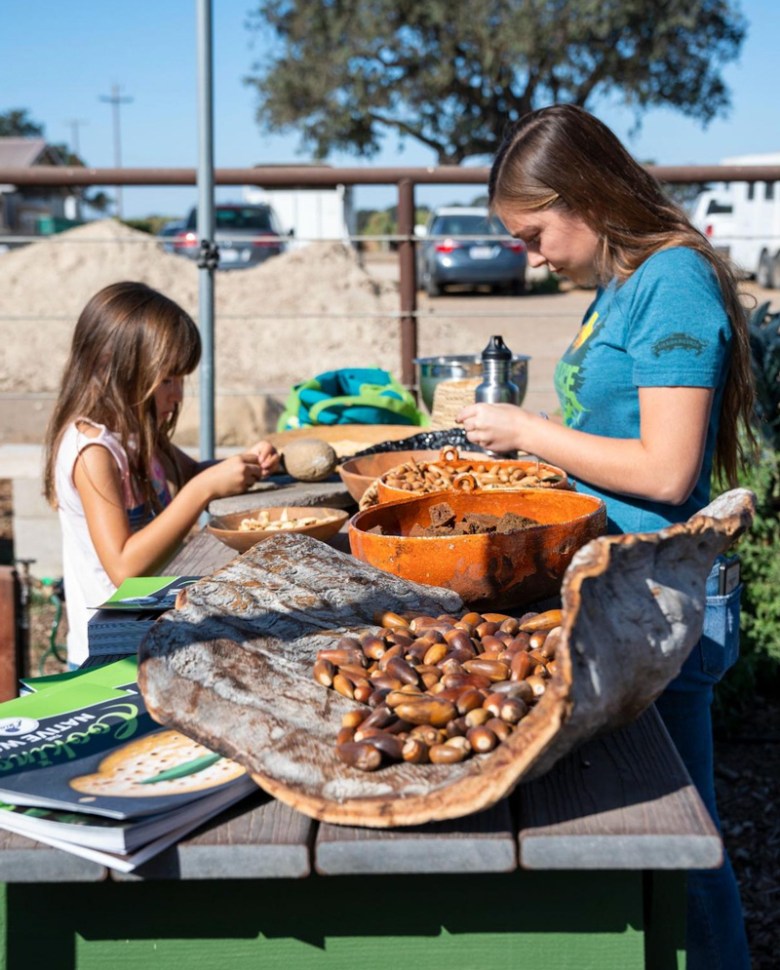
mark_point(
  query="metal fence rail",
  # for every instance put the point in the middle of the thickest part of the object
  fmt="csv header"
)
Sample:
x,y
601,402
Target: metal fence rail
x,y
405,180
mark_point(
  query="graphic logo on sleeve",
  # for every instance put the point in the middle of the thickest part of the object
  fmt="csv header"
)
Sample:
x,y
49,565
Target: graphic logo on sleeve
x,y
678,341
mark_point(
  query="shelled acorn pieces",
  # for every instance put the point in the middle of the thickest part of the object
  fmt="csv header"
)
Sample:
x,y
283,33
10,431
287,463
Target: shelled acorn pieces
x,y
438,689
426,477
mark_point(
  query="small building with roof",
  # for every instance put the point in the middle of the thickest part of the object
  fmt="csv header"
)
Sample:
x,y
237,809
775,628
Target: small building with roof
x,y
23,208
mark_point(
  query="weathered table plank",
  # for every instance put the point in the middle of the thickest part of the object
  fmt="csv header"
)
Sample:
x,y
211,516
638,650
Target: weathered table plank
x,y
200,555
24,860
483,842
620,801
256,839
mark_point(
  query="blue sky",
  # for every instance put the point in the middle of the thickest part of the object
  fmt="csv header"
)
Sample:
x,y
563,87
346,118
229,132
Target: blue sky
x,y
59,58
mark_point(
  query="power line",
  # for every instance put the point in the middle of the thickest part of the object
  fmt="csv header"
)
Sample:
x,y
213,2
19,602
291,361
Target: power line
x,y
116,100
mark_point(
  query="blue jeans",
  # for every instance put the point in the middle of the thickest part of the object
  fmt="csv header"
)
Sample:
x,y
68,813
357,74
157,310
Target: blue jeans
x,y
716,937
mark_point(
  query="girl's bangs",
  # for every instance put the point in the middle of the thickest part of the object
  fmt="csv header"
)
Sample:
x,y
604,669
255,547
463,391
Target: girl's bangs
x,y
184,356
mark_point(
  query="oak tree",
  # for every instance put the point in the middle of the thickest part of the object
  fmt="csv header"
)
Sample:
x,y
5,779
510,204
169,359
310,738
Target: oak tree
x,y
452,75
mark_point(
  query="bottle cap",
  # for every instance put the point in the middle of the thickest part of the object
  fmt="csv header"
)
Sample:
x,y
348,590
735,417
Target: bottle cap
x,y
496,349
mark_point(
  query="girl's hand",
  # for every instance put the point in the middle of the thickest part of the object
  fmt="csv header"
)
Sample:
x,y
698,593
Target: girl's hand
x,y
124,553
232,476
267,457
495,427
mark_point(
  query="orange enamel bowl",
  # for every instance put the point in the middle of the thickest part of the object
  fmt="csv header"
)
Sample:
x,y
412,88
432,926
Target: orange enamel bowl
x,y
496,570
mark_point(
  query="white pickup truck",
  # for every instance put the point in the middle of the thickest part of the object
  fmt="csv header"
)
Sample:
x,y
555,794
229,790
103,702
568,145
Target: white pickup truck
x,y
742,220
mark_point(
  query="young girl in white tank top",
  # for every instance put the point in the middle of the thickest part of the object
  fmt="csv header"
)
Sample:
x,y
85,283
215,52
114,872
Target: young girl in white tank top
x,y
127,496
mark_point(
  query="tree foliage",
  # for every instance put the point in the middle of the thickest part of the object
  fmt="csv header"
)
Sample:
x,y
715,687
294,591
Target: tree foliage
x,y
16,123
452,75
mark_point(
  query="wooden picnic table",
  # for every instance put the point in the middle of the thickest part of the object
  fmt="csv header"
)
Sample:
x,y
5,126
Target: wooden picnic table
x,y
581,868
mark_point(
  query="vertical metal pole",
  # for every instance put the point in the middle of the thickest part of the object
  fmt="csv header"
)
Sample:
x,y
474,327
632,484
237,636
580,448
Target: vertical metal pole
x,y
408,281
205,226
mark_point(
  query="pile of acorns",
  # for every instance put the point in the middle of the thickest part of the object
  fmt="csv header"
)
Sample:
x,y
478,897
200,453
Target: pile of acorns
x,y
438,689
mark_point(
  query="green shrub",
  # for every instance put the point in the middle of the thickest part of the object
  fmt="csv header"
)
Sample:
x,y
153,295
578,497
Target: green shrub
x,y
760,549
758,668
760,554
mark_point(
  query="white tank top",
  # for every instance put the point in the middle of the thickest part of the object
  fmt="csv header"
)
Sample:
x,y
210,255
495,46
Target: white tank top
x,y
87,584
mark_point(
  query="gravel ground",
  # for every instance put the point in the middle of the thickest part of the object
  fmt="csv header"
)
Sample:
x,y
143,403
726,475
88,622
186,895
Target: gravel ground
x,y
747,779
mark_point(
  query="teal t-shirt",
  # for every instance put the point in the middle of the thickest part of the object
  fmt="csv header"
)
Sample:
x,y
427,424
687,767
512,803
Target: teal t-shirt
x,y
666,326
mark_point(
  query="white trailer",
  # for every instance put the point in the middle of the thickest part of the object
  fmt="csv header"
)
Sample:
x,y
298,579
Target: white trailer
x,y
314,214
742,220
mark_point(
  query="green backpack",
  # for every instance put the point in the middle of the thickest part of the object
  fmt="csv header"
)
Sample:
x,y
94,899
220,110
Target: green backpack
x,y
361,395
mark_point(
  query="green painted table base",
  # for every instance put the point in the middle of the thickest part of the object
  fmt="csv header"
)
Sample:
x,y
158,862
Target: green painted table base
x,y
540,920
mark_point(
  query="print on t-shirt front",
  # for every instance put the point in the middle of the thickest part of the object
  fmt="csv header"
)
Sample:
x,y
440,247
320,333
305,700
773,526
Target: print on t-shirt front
x,y
571,370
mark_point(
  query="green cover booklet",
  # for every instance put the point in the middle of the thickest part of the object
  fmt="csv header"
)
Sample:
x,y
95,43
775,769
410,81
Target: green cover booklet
x,y
85,746
118,625
148,593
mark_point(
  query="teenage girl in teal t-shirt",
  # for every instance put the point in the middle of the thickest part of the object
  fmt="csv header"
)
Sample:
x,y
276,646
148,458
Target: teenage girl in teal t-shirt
x,y
655,391
666,326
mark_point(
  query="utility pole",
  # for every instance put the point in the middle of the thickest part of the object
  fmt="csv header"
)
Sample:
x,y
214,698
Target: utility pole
x,y
74,124
115,100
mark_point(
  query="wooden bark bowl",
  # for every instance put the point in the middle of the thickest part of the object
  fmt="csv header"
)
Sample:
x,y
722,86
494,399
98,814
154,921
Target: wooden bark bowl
x,y
232,669
494,570
227,528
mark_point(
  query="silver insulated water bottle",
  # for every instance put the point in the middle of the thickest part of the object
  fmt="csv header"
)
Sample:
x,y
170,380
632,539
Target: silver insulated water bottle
x,y
497,386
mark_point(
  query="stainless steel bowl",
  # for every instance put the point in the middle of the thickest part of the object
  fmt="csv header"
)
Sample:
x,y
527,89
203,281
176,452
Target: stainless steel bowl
x,y
431,371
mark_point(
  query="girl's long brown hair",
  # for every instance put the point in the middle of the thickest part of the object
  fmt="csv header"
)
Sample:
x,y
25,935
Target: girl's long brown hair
x,y
562,156
128,339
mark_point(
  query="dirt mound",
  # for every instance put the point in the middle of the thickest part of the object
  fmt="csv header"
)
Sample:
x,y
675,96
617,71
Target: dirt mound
x,y
278,323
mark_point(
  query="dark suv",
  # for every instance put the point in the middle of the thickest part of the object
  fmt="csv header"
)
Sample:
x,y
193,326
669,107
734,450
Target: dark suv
x,y
245,234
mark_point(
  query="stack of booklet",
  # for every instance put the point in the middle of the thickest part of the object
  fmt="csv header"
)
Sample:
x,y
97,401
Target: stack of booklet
x,y
83,767
118,625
